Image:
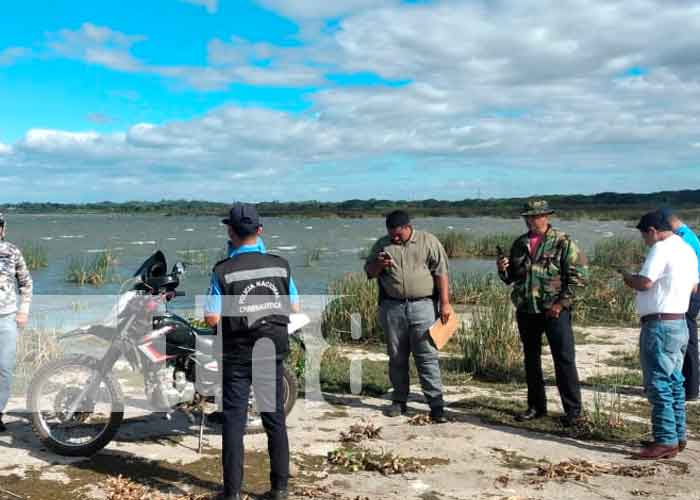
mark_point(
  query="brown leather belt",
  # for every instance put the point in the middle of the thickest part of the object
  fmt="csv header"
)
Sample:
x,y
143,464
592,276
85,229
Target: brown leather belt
x,y
662,317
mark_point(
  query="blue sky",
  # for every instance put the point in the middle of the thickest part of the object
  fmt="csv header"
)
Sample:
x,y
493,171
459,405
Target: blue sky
x,y
296,99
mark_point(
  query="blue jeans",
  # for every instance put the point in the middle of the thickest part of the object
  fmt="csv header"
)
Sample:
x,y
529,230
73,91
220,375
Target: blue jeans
x,y
8,356
662,346
406,326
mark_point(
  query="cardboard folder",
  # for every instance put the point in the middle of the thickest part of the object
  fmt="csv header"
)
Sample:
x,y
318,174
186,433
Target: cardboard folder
x,y
441,332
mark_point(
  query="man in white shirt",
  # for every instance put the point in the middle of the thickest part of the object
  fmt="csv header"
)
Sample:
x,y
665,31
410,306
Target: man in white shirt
x,y
668,277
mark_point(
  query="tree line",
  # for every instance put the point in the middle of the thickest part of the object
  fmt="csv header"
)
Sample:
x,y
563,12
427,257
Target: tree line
x,y
602,206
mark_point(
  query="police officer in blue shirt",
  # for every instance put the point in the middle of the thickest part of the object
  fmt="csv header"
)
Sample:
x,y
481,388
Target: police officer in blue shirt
x,y
249,302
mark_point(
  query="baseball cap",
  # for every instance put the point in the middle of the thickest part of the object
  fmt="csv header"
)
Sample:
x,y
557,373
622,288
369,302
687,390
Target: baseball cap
x,y
654,219
243,216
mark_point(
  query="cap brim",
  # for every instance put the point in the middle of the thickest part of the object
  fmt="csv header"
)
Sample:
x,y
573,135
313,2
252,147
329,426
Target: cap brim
x,y
226,221
525,214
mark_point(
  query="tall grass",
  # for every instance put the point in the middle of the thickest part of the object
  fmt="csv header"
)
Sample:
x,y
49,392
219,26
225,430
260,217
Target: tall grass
x,y
605,300
490,345
35,256
476,289
34,349
460,245
619,252
356,294
95,271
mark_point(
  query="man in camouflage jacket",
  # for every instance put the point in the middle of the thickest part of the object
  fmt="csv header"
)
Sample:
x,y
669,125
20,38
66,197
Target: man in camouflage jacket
x,y
546,269
13,270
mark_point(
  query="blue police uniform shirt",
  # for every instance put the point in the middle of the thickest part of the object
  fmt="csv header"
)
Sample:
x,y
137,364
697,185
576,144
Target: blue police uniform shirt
x,y
213,303
689,237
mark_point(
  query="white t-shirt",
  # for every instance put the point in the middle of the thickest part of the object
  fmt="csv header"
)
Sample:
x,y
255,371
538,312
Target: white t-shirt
x,y
673,268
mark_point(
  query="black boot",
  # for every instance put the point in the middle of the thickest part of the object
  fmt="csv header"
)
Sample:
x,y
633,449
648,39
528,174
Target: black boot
x,y
396,409
530,414
276,495
437,415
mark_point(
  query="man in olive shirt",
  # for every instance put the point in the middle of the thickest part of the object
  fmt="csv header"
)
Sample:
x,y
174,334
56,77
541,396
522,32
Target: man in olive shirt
x,y
410,267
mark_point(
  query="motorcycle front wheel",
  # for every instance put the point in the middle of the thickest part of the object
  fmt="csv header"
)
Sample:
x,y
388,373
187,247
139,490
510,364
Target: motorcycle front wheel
x,y
75,411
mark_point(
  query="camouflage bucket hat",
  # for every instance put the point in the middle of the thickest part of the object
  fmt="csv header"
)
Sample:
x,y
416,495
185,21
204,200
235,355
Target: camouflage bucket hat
x,y
536,207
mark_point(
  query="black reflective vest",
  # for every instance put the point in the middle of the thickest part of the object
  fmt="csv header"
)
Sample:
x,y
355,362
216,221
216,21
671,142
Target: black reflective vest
x,y
255,303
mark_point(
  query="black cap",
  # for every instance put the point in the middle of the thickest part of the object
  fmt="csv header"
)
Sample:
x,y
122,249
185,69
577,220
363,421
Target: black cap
x,y
655,219
243,216
667,213
396,219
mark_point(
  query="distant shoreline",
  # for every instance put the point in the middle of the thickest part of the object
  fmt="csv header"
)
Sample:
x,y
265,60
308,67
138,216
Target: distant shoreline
x,y
602,206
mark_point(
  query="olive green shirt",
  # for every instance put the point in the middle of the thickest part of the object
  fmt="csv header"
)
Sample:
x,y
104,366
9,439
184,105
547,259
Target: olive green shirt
x,y
416,262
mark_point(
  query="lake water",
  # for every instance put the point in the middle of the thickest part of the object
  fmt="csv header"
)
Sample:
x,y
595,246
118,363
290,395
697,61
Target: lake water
x,y
133,238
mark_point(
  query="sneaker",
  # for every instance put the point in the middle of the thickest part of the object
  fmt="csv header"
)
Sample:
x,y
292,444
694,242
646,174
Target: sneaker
x,y
396,409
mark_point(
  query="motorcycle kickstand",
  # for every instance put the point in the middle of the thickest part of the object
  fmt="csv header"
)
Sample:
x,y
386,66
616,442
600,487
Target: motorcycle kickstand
x,y
202,423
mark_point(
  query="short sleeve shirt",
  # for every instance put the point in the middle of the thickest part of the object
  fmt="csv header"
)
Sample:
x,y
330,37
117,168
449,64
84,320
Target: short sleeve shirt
x,y
416,263
671,265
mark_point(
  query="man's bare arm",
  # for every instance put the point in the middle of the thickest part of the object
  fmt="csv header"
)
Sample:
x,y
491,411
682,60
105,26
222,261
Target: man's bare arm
x,y
637,282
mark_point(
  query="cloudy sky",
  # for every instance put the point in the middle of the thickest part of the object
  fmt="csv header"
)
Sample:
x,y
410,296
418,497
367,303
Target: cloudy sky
x,y
330,100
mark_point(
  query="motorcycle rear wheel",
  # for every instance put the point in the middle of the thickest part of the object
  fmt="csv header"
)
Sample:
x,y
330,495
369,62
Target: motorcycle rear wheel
x,y
290,392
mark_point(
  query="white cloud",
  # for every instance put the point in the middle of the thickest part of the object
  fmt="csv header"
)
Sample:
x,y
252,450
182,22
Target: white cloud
x,y
98,45
314,9
211,5
229,62
11,54
5,149
515,85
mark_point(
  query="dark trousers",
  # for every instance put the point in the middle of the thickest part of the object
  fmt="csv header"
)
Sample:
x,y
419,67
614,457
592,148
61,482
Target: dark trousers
x,y
691,372
561,342
237,379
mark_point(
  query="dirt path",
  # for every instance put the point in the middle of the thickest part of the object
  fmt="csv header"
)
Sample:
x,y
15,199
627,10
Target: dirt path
x,y
463,459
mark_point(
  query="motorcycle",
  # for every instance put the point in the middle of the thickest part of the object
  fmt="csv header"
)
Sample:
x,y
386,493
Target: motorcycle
x,y
179,363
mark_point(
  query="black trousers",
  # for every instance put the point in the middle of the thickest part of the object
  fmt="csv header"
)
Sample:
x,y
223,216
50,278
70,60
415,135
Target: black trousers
x,y
691,372
561,342
237,379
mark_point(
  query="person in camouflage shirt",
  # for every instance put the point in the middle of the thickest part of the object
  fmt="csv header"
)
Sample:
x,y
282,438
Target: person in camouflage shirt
x,y
13,270
546,269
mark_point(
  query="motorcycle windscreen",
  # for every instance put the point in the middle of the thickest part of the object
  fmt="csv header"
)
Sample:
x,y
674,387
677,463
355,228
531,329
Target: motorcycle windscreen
x,y
153,267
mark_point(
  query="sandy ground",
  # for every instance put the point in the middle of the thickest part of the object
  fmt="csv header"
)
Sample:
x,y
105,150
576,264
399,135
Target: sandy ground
x,y
465,458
